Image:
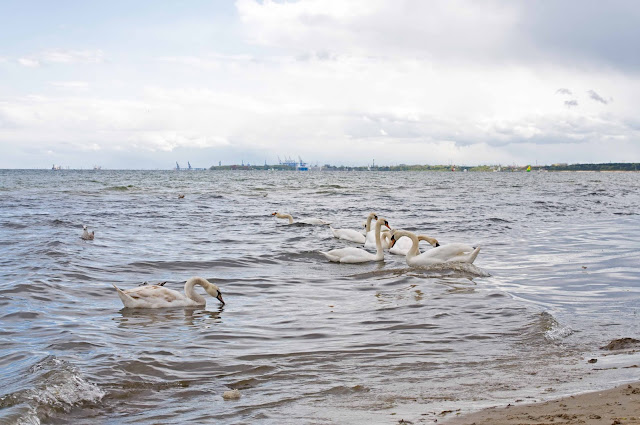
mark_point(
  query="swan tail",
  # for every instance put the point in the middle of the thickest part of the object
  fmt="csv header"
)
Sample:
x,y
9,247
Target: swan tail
x,y
126,299
329,256
474,254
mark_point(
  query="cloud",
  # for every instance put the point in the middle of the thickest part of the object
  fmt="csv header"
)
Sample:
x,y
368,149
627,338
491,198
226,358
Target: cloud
x,y
564,91
337,80
78,85
29,62
595,96
566,33
62,56
380,28
571,103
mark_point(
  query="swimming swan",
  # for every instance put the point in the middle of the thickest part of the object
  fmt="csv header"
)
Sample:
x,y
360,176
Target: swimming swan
x,y
353,235
357,255
312,221
86,235
404,244
156,296
454,252
370,241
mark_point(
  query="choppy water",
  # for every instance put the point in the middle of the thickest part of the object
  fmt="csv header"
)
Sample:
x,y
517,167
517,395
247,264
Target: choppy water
x,y
304,340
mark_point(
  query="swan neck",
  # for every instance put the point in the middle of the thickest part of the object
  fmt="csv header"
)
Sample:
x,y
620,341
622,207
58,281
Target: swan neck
x,y
281,215
432,241
369,218
413,251
191,293
378,228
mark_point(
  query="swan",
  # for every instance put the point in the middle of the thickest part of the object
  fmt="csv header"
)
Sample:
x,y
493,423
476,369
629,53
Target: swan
x,y
404,244
455,252
370,241
312,221
354,235
86,235
156,296
357,255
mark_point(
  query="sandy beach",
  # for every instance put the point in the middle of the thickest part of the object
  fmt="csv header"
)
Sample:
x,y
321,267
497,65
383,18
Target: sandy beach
x,y
617,406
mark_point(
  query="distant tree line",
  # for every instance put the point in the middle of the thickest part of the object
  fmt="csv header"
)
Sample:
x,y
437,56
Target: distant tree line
x,y
611,166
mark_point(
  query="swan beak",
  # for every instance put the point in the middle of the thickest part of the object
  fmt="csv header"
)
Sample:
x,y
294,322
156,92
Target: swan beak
x,y
219,297
437,244
393,242
387,224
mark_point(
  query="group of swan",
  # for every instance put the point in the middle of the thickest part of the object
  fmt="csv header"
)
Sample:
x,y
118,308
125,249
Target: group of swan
x,y
357,255
157,296
453,252
399,242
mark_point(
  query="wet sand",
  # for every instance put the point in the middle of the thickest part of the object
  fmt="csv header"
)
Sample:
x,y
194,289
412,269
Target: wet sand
x,y
618,406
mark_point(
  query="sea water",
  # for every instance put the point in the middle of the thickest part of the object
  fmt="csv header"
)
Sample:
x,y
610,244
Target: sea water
x,y
304,340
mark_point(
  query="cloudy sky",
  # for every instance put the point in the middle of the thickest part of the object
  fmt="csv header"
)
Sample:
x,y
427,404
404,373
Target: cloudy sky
x,y
145,83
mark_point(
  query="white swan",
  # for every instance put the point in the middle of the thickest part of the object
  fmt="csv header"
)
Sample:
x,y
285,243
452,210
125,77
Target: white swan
x,y
357,255
312,221
156,296
86,235
455,252
404,244
354,235
370,241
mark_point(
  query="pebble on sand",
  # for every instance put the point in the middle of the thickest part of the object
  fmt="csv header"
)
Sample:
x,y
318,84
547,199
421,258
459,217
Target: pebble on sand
x,y
231,395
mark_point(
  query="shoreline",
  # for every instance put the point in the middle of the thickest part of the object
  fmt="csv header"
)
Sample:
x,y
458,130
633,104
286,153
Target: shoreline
x,y
619,405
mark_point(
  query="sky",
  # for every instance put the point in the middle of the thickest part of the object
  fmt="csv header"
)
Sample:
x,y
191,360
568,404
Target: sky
x,y
143,84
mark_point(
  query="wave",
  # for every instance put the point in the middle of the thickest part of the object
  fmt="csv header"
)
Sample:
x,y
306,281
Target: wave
x,y
54,385
119,188
546,327
438,270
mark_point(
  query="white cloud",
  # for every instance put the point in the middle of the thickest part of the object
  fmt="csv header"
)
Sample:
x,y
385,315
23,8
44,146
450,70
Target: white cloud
x,y
78,85
434,82
72,56
380,28
29,62
62,56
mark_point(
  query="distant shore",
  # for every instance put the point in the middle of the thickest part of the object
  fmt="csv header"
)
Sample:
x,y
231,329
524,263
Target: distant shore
x,y
620,405
618,166
602,167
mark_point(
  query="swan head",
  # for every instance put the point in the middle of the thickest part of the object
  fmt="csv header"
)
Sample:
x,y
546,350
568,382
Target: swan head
x,y
213,290
383,222
393,239
372,216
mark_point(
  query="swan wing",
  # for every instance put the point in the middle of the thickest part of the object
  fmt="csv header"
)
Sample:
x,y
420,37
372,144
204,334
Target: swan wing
x,y
460,253
348,235
153,296
349,255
